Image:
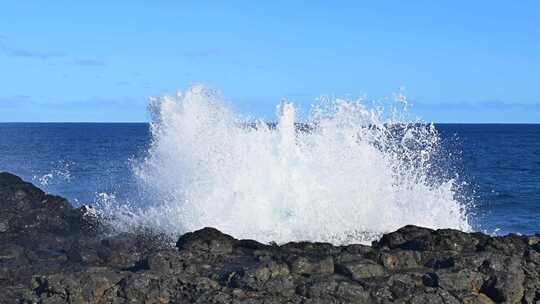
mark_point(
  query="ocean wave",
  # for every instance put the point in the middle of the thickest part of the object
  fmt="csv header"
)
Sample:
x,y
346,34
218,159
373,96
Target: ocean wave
x,y
351,173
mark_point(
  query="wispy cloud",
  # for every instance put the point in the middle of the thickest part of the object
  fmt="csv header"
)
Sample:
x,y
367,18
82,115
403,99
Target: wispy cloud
x,y
92,102
28,53
123,83
15,101
17,52
501,105
480,105
202,53
90,62
97,101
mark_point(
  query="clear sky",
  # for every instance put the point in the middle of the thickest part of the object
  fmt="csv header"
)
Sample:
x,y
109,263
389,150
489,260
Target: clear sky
x,y
459,61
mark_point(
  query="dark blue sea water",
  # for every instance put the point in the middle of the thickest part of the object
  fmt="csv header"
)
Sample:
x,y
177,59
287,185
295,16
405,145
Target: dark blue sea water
x,y
500,162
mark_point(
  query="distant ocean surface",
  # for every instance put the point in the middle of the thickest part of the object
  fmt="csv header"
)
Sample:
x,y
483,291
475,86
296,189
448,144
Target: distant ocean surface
x,y
499,162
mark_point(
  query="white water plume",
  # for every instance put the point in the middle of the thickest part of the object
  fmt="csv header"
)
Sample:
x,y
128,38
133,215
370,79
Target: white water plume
x,y
347,175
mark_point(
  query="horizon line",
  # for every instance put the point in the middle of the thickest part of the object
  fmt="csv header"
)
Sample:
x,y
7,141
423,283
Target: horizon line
x,y
148,122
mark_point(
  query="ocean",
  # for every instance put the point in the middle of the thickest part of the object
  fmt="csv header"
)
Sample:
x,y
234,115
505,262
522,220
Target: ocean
x,y
348,176
80,161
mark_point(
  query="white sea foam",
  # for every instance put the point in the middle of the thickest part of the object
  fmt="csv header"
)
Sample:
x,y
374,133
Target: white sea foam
x,y
59,174
355,172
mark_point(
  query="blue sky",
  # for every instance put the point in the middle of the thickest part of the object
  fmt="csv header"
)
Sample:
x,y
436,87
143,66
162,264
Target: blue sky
x,y
459,61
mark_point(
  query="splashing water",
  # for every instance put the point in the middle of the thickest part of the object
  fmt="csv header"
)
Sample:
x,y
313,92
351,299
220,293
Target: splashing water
x,y
348,175
60,173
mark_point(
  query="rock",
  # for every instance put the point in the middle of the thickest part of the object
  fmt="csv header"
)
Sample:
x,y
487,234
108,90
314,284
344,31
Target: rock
x,y
89,286
478,298
407,236
507,245
401,284
361,269
433,297
313,249
400,259
506,279
53,253
305,265
144,287
4,225
533,240
31,213
423,239
120,251
208,240
461,282
317,288
505,287
165,261
352,293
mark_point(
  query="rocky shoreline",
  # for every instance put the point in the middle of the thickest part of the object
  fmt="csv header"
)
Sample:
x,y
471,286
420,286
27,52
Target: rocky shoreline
x,y
51,252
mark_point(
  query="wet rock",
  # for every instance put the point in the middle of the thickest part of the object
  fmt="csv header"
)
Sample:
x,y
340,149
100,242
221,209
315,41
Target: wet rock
x,y
317,288
165,261
360,269
508,245
505,287
400,259
308,265
313,249
208,240
406,237
271,277
400,284
120,251
478,298
353,293
53,253
506,279
144,287
423,239
89,286
461,282
432,296
4,225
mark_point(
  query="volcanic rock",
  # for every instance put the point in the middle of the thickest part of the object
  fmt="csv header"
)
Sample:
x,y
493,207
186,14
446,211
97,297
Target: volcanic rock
x,y
51,252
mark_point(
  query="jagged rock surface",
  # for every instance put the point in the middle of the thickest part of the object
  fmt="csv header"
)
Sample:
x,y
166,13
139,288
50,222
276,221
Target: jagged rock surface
x,y
53,253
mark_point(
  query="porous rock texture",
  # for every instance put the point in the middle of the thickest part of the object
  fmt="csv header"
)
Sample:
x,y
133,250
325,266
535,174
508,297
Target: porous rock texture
x,y
51,252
